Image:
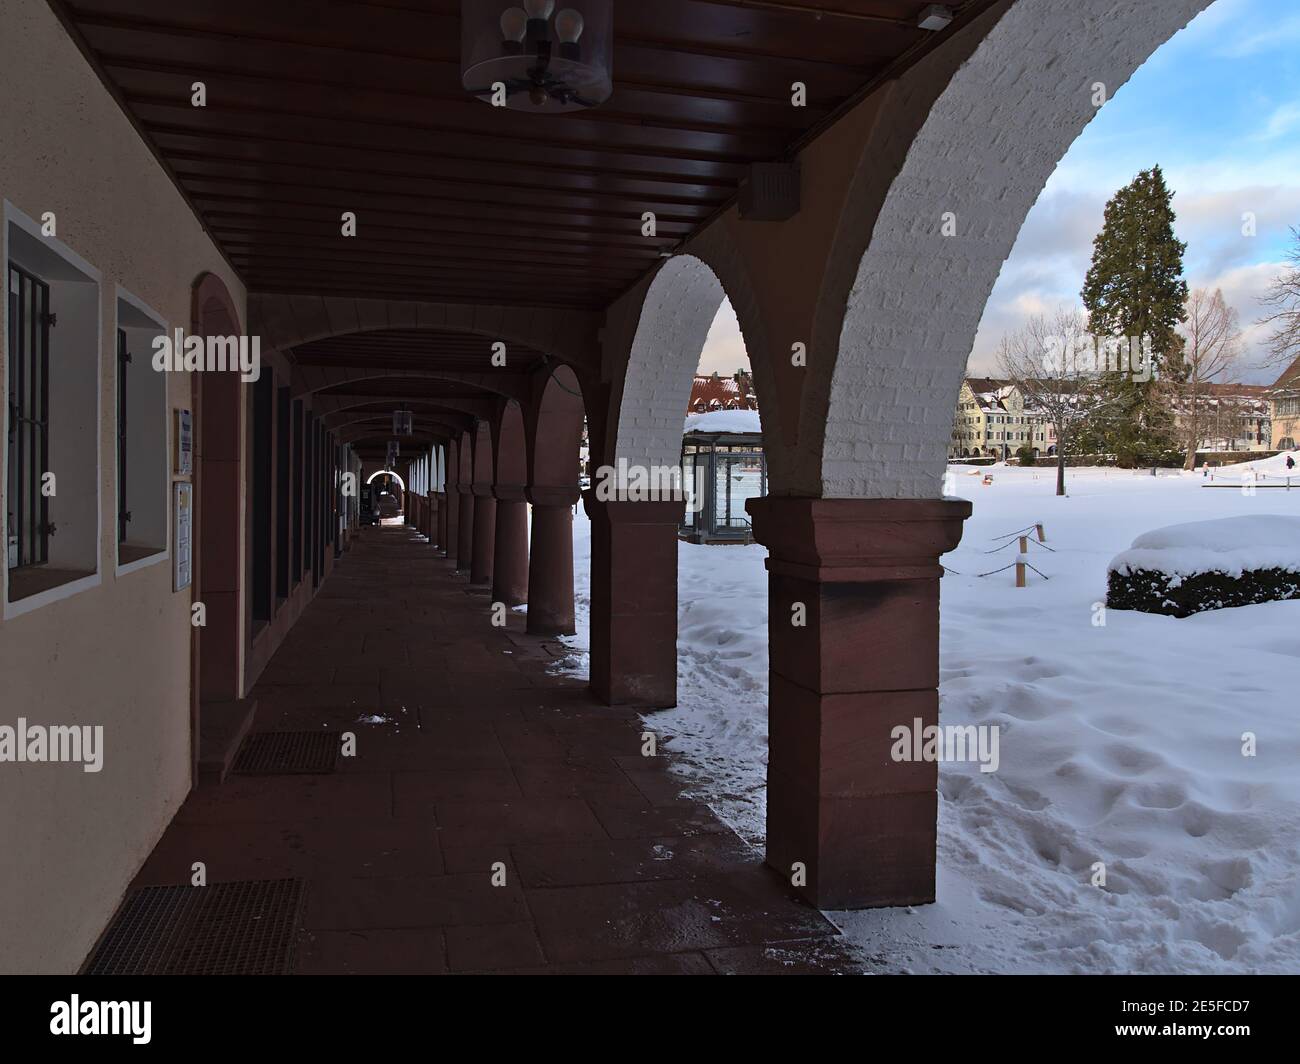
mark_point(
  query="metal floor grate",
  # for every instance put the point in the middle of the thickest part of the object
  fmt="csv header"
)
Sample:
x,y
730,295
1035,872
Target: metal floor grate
x,y
242,928
277,753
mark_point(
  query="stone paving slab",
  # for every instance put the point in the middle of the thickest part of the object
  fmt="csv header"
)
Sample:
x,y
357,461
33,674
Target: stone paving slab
x,y
494,818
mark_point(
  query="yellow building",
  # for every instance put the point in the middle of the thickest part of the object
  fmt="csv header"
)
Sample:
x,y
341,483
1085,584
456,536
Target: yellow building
x,y
1284,406
992,420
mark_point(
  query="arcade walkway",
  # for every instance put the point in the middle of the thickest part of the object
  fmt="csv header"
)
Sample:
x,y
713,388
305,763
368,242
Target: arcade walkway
x,y
476,755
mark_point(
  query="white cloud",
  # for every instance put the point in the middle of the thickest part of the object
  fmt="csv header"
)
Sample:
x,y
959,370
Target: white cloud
x,y
1282,121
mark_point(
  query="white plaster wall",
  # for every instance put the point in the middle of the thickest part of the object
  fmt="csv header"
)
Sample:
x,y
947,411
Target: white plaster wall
x,y
987,148
118,653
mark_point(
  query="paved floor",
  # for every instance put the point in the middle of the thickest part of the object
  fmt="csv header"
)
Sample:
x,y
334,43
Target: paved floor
x,y
471,755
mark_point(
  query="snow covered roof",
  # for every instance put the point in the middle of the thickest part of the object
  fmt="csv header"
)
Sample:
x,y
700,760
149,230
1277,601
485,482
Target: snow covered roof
x,y
1229,545
721,393
724,421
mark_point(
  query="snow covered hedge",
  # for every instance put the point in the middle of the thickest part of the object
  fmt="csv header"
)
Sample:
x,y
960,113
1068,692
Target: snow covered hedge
x,y
1208,565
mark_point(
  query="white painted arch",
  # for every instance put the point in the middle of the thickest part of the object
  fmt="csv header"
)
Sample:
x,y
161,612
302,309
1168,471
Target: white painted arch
x,y
388,472
676,314
983,153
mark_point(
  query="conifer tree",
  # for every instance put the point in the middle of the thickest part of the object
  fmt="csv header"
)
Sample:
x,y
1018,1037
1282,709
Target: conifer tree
x,y
1135,295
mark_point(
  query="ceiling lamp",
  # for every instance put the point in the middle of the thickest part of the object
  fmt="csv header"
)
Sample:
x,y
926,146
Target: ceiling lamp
x,y
534,58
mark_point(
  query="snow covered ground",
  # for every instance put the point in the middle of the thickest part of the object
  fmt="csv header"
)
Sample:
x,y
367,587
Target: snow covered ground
x,y
1120,742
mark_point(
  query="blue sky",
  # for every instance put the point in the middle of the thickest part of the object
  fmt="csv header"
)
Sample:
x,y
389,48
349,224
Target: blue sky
x,y
1218,107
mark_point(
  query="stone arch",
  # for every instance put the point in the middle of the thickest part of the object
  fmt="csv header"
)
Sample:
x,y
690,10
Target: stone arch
x,y
678,308
218,490
985,145
465,460
555,435
675,315
391,472
481,454
308,380
509,453
286,321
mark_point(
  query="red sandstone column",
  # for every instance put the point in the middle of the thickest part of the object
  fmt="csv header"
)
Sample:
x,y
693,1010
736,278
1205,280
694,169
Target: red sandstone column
x,y
634,601
445,520
431,518
510,549
465,528
449,546
865,573
550,563
484,538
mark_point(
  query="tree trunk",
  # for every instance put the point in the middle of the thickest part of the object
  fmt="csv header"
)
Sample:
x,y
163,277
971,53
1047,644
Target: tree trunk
x,y
1060,469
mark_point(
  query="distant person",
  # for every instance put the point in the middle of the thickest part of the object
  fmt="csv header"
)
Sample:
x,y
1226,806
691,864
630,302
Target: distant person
x,y
1290,463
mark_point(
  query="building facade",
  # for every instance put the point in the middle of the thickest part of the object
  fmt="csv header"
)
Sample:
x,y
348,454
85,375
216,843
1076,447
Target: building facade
x,y
1230,417
1284,409
993,421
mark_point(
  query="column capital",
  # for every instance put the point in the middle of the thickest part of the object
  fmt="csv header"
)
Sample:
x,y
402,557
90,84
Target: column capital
x,y
509,492
856,540
621,510
540,495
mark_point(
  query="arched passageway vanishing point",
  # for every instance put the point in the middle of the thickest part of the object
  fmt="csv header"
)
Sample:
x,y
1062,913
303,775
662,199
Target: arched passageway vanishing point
x,y
479,315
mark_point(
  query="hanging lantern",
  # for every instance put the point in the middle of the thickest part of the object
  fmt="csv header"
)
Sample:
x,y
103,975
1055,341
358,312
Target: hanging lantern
x,y
529,56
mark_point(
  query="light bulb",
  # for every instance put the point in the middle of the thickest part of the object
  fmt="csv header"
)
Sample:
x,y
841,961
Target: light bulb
x,y
539,8
569,26
514,24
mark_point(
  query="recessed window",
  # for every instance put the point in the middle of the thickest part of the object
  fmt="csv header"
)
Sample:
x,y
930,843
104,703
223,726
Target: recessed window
x,y
29,418
51,384
141,437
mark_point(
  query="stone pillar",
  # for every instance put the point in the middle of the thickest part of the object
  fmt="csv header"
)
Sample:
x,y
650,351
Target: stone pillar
x,y
550,562
863,577
445,520
464,529
484,538
431,519
510,549
634,601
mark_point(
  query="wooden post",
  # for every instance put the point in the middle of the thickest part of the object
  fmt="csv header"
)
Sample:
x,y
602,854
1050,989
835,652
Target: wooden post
x,y
1042,538
1020,562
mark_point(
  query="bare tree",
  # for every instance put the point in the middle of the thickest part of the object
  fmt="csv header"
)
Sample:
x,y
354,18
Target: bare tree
x,y
1052,360
1283,301
1213,349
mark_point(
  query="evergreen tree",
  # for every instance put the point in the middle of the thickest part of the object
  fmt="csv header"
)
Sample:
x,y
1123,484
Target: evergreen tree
x,y
1135,296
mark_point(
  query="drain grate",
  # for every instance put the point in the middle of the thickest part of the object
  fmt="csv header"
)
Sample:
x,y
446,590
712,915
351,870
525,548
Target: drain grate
x,y
242,928
278,753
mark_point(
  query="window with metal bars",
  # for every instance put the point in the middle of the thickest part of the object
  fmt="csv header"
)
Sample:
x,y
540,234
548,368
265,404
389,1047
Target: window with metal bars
x,y
28,528
123,362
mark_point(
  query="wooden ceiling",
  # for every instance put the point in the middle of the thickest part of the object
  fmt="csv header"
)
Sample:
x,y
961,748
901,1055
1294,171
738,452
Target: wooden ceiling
x,y
315,108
